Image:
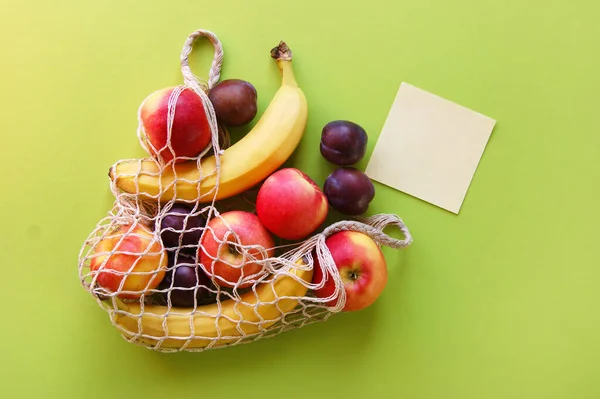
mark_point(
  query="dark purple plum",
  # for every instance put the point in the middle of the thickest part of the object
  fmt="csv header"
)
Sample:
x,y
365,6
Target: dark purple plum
x,y
181,221
343,143
234,102
182,279
349,191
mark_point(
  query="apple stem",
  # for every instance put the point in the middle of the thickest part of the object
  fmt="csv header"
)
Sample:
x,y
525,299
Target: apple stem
x,y
233,249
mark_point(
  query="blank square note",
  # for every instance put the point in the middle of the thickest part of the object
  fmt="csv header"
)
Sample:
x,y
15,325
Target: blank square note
x,y
429,148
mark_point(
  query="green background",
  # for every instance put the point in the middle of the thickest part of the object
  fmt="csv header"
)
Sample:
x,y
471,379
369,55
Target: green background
x,y
500,301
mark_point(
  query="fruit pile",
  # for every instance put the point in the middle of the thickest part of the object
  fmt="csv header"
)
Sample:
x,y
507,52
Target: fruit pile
x,y
212,244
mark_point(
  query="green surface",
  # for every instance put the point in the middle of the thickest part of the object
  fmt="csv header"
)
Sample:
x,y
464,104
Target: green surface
x,y
498,302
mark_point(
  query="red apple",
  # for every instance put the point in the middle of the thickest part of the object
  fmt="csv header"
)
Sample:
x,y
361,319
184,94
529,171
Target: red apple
x,y
290,204
133,255
362,268
221,256
190,132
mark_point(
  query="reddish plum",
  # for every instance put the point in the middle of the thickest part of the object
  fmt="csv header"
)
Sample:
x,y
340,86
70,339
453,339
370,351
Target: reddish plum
x,y
234,102
185,281
343,143
349,191
181,221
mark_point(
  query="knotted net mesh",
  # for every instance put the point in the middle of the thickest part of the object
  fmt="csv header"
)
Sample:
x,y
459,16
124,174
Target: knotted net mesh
x,y
171,265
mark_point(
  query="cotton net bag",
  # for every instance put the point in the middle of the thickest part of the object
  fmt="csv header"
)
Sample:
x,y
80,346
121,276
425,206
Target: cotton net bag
x,y
131,271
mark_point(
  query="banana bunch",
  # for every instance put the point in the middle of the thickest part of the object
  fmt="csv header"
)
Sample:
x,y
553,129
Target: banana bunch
x,y
243,165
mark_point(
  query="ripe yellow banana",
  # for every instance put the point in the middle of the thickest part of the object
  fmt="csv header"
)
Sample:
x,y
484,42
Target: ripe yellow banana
x,y
235,318
253,158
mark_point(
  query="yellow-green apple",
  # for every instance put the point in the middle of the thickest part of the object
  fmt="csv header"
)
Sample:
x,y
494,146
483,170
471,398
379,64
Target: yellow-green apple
x,y
290,204
362,268
221,254
131,255
190,131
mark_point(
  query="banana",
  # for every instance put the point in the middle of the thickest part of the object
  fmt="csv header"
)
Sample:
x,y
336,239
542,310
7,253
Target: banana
x,y
222,323
242,166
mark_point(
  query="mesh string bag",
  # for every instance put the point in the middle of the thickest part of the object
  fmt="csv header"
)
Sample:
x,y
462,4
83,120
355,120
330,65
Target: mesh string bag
x,y
134,261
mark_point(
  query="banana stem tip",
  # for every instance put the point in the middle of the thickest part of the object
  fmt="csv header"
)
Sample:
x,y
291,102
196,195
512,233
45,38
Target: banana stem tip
x,y
282,52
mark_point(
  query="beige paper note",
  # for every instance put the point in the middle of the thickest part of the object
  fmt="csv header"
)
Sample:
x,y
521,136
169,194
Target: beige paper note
x,y
429,148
